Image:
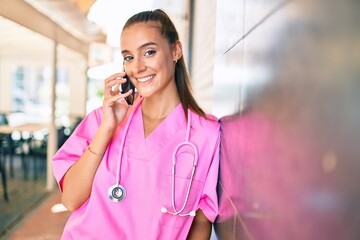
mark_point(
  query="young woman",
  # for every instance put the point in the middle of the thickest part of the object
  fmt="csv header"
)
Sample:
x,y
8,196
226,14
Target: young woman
x,y
149,170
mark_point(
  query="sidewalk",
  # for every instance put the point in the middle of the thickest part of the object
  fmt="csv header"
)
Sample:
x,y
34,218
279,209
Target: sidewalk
x,y
44,223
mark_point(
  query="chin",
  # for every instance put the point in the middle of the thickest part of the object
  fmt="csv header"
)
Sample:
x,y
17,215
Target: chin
x,y
145,93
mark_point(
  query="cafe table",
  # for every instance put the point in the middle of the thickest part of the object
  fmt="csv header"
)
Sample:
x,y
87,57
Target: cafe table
x,y
5,131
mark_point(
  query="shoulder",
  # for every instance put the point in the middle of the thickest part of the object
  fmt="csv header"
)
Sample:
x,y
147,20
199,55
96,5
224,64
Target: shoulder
x,y
96,114
91,121
208,126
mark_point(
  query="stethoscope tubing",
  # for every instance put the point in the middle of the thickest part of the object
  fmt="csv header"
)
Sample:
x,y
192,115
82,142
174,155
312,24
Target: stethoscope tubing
x,y
174,157
118,167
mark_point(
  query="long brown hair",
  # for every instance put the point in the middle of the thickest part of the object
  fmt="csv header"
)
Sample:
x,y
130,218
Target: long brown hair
x,y
168,31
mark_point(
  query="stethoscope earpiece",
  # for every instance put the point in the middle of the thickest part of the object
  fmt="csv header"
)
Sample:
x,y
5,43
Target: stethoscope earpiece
x,y
191,213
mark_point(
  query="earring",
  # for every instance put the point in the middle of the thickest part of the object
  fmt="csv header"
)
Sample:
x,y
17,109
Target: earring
x,y
175,61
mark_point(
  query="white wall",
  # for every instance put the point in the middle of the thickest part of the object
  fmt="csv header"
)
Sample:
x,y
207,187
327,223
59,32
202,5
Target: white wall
x,y
203,53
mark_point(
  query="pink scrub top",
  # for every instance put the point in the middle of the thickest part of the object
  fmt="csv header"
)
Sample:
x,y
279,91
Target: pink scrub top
x,y
146,176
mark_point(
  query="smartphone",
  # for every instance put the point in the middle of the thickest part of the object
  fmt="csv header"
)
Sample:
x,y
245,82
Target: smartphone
x,y
125,87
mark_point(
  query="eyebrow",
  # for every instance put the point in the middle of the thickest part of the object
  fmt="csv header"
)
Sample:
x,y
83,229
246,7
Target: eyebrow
x,y
140,47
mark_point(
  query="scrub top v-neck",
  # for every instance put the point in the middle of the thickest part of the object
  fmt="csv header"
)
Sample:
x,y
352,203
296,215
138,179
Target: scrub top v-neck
x,y
146,175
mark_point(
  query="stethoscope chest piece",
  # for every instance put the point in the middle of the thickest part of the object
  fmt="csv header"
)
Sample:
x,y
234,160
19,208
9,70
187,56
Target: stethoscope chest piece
x,y
117,193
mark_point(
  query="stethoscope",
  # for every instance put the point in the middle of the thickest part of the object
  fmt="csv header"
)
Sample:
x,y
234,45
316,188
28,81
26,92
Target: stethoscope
x,y
117,192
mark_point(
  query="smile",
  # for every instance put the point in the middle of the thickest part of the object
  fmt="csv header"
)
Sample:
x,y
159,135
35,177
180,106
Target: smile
x,y
145,79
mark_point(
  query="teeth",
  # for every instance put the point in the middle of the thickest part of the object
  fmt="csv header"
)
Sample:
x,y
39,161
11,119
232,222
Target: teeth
x,y
145,79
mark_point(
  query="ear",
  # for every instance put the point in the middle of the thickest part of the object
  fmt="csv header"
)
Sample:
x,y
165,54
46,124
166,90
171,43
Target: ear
x,y
177,51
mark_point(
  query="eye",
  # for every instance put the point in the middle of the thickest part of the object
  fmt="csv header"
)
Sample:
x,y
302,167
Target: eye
x,y
149,52
127,58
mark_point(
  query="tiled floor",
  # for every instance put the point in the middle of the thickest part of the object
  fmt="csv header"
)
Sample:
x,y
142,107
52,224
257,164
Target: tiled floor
x,y
42,223
24,196
27,214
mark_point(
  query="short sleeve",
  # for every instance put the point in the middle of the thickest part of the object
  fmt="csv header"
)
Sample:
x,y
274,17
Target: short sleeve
x,y
209,200
75,145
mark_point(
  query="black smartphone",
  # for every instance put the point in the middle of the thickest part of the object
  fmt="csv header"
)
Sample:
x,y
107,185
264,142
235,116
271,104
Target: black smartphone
x,y
125,87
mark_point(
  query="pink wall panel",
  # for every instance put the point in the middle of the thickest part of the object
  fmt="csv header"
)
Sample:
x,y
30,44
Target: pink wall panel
x,y
290,155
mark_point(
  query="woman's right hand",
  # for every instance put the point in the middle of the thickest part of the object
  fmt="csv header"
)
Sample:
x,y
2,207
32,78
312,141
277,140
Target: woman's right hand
x,y
78,180
114,105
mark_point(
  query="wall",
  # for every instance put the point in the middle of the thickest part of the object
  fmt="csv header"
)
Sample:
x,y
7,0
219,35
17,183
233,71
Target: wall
x,y
203,52
5,99
76,87
24,48
287,91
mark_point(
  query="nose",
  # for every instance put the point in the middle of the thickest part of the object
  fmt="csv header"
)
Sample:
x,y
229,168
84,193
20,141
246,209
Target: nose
x,y
138,66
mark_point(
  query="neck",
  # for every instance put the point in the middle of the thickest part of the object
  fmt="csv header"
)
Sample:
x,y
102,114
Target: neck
x,y
157,109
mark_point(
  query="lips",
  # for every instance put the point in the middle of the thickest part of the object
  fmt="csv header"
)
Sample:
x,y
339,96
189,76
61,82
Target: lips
x,y
145,79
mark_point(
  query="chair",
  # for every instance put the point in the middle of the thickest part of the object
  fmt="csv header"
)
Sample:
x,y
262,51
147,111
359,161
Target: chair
x,y
13,144
3,119
38,152
3,169
3,137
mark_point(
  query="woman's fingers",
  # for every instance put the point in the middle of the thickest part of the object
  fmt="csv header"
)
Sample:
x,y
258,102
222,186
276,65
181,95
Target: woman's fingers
x,y
115,90
111,100
112,84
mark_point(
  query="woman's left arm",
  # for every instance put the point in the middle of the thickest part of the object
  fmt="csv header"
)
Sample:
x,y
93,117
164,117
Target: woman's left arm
x,y
200,228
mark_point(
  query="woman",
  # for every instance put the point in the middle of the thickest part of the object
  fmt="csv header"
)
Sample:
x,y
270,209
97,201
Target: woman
x,y
115,170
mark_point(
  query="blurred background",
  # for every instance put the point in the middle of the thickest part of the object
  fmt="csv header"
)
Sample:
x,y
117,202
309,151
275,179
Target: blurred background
x,y
282,77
